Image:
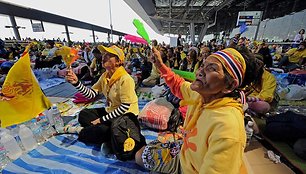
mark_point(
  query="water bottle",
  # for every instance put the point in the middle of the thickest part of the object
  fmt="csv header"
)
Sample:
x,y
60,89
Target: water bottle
x,y
58,121
134,75
14,131
27,138
47,129
49,115
249,132
10,144
37,131
4,160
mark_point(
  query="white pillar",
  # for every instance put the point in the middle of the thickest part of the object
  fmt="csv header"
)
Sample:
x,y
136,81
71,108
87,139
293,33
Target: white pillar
x,y
192,33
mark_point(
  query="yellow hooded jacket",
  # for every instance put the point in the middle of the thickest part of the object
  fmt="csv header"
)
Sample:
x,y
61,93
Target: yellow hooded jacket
x,y
268,87
215,137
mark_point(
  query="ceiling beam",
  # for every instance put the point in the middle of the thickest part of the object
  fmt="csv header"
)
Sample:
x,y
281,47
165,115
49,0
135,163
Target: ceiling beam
x,y
185,10
176,20
201,9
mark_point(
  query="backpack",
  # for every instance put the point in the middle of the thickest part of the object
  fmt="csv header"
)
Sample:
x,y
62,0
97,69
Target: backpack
x,y
123,128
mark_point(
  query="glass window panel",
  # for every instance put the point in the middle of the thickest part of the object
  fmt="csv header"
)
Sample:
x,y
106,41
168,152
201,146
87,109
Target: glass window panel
x,y
295,24
261,30
5,32
304,20
77,34
101,37
52,31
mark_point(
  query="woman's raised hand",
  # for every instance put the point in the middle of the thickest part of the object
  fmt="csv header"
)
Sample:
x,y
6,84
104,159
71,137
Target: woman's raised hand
x,y
71,77
156,57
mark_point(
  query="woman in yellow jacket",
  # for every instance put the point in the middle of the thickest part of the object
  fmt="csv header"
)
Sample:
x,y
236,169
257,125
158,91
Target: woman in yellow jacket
x,y
262,92
213,132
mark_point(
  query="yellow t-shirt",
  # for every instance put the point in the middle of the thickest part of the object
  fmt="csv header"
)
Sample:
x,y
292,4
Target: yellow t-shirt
x,y
183,55
268,87
216,142
295,56
122,91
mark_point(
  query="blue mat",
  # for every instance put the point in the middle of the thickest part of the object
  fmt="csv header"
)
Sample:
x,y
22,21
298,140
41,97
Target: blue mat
x,y
65,154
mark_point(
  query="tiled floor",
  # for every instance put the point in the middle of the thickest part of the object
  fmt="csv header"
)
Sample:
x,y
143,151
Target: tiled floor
x,y
257,161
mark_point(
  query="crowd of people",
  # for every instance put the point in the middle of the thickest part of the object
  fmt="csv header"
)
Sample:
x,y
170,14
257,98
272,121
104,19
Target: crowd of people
x,y
232,78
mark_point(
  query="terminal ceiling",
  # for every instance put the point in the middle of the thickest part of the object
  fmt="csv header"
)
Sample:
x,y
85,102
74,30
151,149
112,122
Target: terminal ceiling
x,y
175,16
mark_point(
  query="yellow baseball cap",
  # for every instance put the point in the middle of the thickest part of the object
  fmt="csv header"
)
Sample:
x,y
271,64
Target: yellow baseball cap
x,y
113,50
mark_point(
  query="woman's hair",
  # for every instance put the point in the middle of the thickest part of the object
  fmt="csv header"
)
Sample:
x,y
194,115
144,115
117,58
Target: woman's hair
x,y
193,56
254,67
164,54
96,50
50,42
301,30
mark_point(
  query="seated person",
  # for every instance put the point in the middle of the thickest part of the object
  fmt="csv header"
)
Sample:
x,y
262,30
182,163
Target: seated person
x,y
3,51
204,53
154,77
191,60
117,86
294,57
4,69
214,137
96,68
146,66
49,56
261,93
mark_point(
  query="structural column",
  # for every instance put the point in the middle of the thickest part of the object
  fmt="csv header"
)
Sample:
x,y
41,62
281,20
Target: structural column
x,y
67,33
203,32
192,33
94,36
14,26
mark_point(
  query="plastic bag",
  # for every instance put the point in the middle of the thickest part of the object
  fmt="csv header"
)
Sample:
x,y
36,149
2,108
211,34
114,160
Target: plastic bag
x,y
292,92
157,91
156,114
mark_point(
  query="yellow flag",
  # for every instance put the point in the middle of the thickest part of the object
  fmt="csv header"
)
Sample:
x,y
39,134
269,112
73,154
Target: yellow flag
x,y
27,101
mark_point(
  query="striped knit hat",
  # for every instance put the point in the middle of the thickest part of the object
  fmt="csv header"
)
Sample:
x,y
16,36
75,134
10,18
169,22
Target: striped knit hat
x,y
234,64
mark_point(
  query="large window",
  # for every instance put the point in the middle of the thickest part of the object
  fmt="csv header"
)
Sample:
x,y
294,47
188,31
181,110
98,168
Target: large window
x,y
5,32
77,34
278,29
